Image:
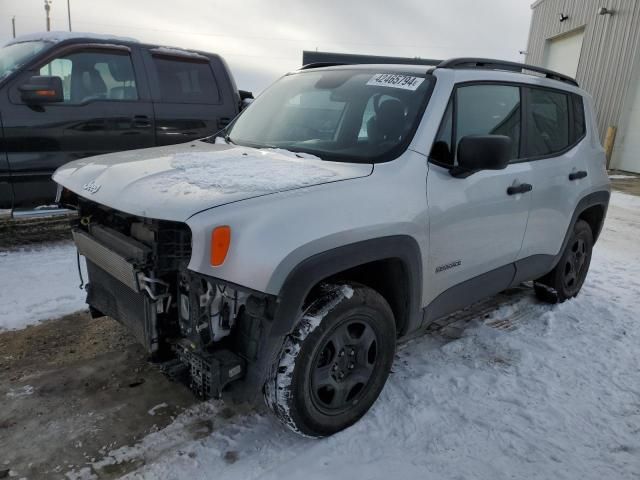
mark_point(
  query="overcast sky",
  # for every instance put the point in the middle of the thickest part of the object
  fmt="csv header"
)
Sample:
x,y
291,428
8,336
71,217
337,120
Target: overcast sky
x,y
263,39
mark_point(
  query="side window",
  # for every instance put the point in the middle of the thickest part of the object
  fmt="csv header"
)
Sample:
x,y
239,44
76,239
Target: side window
x,y
547,122
489,110
60,67
579,126
185,81
90,76
442,150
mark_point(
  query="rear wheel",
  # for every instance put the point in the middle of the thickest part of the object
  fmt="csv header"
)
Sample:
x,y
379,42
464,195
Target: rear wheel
x,y
567,278
335,364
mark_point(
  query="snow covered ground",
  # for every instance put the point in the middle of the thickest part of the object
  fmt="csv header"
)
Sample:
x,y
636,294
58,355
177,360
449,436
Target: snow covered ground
x,y
552,394
39,283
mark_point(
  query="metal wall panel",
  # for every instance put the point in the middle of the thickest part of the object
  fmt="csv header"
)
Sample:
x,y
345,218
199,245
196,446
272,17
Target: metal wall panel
x,y
610,48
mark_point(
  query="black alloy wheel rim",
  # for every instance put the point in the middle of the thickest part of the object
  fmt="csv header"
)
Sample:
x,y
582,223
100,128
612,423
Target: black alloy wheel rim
x,y
342,369
575,264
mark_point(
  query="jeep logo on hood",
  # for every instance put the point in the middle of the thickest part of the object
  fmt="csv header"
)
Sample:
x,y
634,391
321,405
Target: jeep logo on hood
x,y
91,187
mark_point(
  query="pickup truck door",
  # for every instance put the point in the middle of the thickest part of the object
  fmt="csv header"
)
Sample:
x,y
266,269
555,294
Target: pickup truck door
x,y
192,95
6,191
477,223
103,111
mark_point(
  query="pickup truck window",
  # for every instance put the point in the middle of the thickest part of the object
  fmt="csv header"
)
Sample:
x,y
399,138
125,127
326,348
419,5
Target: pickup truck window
x,y
14,55
341,115
94,76
186,81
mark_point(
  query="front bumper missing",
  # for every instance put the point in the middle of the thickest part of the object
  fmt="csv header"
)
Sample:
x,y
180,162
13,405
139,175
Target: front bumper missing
x,y
117,286
209,373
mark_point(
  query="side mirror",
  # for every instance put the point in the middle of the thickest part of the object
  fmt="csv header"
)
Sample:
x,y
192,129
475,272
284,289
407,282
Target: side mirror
x,y
40,89
482,152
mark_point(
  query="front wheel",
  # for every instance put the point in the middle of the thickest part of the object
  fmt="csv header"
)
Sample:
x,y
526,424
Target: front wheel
x,y
566,279
336,362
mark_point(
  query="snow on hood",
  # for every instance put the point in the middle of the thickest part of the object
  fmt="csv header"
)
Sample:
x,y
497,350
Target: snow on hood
x,y
241,170
175,182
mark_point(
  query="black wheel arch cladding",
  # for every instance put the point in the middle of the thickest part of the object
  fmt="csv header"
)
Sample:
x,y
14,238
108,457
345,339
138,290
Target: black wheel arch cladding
x,y
317,268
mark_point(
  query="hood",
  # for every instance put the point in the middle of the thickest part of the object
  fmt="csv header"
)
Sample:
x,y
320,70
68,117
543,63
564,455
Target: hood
x,y
178,181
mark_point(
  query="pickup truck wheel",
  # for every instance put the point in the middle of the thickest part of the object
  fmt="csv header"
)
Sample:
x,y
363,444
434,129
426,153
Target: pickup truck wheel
x,y
334,365
566,279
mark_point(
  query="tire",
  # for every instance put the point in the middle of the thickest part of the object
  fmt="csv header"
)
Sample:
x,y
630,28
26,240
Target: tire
x,y
334,365
568,276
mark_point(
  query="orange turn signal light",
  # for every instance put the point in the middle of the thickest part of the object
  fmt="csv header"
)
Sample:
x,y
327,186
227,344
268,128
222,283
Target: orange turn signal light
x,y
220,241
46,93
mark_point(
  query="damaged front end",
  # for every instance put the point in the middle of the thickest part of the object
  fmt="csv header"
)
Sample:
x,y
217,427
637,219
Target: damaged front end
x,y
200,329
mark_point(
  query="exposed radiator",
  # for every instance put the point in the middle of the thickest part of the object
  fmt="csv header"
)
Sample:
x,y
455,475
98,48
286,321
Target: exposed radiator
x,y
108,260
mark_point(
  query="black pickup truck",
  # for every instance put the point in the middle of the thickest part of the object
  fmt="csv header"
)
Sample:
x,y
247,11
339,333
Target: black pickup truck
x,y
68,96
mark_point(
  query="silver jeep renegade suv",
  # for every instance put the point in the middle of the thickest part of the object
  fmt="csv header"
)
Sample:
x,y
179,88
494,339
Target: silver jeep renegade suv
x,y
346,208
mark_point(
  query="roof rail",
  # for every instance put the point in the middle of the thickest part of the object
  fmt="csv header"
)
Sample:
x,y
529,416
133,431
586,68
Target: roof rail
x,y
320,65
504,65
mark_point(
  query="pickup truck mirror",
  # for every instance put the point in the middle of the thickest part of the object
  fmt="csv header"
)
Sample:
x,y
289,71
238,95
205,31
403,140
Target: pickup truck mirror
x,y
245,99
482,152
41,89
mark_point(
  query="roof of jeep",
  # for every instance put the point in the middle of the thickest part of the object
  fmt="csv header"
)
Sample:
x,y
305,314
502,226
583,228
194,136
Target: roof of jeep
x,y
476,64
404,68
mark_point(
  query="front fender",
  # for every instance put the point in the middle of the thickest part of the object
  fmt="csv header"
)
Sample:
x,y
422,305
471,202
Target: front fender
x,y
304,276
313,270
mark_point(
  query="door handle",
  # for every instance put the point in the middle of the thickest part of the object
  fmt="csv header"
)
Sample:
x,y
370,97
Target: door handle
x,y
577,175
522,188
141,121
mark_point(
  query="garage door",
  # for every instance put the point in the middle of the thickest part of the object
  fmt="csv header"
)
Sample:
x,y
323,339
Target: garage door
x,y
627,154
562,54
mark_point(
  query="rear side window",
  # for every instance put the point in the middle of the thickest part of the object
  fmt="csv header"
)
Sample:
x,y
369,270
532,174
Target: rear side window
x,y
547,123
185,81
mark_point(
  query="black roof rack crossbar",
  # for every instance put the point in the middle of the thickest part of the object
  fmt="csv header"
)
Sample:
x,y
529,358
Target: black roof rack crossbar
x,y
504,65
320,65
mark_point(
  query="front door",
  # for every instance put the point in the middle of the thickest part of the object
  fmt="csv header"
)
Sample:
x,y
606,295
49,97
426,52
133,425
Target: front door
x,y
101,113
477,223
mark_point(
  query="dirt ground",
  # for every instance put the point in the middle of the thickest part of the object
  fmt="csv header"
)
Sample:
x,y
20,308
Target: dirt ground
x,y
72,389
630,185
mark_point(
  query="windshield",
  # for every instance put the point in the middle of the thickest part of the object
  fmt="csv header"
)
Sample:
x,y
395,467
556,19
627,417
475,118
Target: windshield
x,y
13,56
344,115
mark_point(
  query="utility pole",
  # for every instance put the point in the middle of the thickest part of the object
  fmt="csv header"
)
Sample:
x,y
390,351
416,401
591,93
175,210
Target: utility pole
x,y
69,13
13,25
47,9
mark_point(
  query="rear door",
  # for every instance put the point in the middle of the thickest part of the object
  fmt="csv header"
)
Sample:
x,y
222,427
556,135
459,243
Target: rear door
x,y
102,112
553,134
190,95
476,226
6,191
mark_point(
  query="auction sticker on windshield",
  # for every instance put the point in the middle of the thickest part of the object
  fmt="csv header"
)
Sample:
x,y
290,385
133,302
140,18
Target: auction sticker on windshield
x,y
406,82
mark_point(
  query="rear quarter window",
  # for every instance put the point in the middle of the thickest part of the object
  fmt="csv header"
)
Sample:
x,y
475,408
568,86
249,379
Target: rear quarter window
x,y
186,81
579,125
